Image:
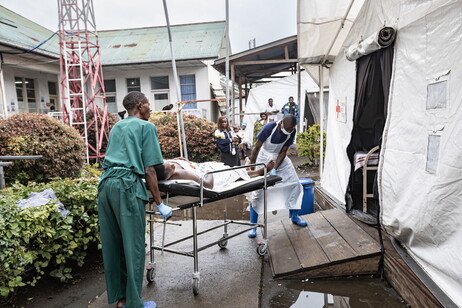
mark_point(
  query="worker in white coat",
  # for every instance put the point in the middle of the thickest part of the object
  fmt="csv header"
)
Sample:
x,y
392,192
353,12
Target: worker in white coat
x,y
273,142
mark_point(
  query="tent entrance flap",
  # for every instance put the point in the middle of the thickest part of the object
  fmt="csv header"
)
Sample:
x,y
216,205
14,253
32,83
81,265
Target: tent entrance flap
x,y
373,77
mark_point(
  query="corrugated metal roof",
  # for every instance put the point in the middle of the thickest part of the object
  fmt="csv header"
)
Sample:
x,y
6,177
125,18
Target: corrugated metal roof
x,y
193,41
18,31
125,46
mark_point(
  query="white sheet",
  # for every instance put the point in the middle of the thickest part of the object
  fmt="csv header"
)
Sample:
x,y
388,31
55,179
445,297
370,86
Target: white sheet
x,y
231,186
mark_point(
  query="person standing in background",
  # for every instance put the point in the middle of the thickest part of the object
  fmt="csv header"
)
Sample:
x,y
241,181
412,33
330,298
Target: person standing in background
x,y
271,111
227,143
291,108
259,125
244,142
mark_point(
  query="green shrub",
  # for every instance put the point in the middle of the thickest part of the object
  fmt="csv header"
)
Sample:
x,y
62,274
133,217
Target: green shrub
x,y
38,238
37,134
308,144
199,132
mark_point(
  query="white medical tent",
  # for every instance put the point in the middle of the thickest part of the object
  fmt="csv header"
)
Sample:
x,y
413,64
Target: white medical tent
x,y
280,91
420,166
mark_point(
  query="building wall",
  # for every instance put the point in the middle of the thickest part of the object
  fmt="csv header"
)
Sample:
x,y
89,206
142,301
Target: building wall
x,y
41,78
202,75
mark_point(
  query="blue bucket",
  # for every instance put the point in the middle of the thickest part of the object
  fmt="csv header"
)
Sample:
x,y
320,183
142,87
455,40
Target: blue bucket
x,y
308,196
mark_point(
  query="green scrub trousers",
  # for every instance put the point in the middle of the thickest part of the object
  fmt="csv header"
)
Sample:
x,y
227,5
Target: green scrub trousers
x,y
123,227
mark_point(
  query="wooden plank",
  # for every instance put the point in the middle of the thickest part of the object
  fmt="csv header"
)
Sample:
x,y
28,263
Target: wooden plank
x,y
323,200
365,266
398,274
305,245
407,285
334,246
282,254
356,237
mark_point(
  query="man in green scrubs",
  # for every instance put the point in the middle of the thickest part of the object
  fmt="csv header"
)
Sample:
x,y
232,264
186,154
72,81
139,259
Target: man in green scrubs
x,y
133,151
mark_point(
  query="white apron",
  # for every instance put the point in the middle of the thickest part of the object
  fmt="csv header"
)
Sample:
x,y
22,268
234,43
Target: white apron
x,y
286,194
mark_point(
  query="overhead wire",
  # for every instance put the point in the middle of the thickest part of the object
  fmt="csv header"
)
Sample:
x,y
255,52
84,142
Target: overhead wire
x,y
29,50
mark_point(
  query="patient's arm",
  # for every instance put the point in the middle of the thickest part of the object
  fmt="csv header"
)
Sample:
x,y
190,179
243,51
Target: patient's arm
x,y
269,166
181,174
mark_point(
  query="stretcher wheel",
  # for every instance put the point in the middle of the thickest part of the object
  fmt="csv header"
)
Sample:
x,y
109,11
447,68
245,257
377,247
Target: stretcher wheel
x,y
195,286
262,249
150,274
223,244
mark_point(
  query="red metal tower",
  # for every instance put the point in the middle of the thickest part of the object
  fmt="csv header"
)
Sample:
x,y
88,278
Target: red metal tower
x,y
81,74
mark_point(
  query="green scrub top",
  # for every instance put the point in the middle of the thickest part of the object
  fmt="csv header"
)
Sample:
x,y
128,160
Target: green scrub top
x,y
133,145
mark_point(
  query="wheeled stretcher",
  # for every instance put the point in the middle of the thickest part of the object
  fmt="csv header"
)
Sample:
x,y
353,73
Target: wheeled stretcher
x,y
173,188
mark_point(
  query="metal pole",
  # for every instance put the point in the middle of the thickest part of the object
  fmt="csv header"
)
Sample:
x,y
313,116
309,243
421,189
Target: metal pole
x,y
342,24
2,174
321,109
299,100
2,178
2,89
175,77
227,61
233,107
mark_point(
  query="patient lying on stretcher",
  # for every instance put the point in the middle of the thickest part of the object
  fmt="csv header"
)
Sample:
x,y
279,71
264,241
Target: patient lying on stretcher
x,y
182,169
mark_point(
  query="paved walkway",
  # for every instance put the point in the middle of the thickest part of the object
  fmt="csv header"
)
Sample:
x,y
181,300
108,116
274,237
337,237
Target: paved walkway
x,y
230,277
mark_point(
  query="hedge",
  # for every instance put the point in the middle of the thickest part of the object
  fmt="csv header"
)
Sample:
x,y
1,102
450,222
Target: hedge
x,y
308,144
199,132
38,134
38,238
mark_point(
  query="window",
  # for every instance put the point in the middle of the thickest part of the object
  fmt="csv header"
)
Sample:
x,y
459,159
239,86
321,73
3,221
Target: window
x,y
159,83
437,95
25,92
110,89
188,90
433,149
438,90
133,84
53,105
160,89
52,88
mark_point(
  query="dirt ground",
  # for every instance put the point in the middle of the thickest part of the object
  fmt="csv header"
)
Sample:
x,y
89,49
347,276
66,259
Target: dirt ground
x,y
89,282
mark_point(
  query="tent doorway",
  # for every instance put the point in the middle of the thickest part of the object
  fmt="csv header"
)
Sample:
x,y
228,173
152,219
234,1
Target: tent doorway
x,y
373,75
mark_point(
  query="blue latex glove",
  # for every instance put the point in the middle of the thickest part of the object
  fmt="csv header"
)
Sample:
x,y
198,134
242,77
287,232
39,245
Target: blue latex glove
x,y
272,172
165,211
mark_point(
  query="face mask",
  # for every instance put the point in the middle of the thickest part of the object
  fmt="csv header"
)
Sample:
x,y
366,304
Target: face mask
x,y
283,130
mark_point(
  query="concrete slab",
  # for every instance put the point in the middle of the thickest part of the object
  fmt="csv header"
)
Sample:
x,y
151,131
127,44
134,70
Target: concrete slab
x,y
230,277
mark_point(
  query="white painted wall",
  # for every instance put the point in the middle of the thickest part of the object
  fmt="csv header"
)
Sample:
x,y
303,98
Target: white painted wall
x,y
42,73
41,78
203,73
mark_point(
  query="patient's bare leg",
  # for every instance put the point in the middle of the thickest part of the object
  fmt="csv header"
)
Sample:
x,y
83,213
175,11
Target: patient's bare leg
x,y
181,174
208,181
269,166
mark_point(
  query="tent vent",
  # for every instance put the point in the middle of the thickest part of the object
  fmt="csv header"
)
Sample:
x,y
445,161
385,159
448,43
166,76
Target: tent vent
x,y
433,149
437,95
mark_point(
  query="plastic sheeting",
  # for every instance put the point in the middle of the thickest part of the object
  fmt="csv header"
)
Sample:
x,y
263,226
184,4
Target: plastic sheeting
x,y
421,206
279,91
322,28
42,198
381,39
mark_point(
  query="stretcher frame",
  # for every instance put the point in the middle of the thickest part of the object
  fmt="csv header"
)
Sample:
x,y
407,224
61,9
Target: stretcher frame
x,y
222,242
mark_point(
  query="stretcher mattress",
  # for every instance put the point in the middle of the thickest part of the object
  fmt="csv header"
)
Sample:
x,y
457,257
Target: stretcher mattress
x,y
175,188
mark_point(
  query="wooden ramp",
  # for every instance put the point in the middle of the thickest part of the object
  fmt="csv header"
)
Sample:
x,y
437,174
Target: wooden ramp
x,y
332,245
